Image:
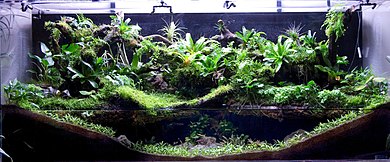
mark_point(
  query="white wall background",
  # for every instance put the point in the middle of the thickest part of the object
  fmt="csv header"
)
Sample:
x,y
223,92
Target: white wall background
x,y
376,38
15,44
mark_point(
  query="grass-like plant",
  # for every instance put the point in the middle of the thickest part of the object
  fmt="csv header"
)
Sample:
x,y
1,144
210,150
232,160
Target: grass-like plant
x,y
68,118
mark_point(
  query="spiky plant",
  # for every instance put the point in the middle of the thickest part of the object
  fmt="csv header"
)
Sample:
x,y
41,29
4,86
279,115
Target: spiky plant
x,y
172,31
293,31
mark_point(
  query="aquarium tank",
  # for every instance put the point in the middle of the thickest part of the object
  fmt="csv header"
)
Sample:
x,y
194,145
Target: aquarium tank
x,y
175,80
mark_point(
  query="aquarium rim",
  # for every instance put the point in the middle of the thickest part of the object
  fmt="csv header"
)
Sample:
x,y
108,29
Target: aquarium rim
x,y
133,6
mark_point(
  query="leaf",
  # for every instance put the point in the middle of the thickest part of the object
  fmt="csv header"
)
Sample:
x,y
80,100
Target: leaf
x,y
45,50
45,63
369,79
379,79
35,57
342,60
359,88
76,73
70,48
93,83
322,68
278,65
99,61
127,21
87,93
50,61
88,65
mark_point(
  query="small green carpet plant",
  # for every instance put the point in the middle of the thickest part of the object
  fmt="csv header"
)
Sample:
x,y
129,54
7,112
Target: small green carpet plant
x,y
243,146
68,118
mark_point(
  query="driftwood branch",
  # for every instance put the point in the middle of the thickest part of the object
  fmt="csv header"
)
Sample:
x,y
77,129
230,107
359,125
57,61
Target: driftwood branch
x,y
158,38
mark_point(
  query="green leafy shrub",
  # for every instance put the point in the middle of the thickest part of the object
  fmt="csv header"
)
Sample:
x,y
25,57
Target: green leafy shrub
x,y
332,99
17,92
298,94
363,82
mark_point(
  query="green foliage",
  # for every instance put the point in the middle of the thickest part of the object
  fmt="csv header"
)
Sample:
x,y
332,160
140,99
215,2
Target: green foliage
x,y
363,82
278,53
120,80
245,36
237,140
46,73
330,124
198,128
225,128
188,50
334,72
374,101
17,92
209,64
80,122
332,99
334,24
126,30
355,101
299,94
214,93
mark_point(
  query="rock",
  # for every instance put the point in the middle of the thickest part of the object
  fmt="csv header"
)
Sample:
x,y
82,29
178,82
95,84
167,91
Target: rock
x,y
299,132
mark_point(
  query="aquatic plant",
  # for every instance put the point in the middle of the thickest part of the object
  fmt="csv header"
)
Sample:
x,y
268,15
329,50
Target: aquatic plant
x,y
322,127
198,128
225,128
238,140
68,118
240,143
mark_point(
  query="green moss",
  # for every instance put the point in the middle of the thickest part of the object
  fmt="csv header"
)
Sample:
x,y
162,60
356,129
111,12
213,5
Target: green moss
x,y
221,90
56,103
162,100
148,101
80,122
